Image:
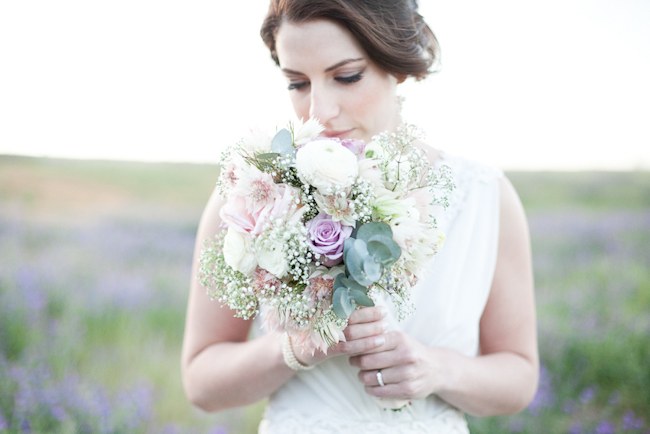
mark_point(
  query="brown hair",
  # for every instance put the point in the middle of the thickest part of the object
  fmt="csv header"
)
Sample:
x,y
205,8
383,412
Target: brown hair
x,y
392,32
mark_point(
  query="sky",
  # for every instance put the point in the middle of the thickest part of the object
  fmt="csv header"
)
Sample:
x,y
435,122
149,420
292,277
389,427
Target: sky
x,y
553,85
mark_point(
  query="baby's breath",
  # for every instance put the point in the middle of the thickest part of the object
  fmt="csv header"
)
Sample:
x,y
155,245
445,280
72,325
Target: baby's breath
x,y
225,284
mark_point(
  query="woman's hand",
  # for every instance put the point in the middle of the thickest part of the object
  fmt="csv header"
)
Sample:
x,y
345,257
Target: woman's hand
x,y
409,369
364,333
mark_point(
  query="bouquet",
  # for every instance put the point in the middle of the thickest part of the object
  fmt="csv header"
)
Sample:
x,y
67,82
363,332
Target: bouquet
x,y
313,227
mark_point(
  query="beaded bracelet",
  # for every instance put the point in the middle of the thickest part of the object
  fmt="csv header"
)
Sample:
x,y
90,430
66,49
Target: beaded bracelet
x,y
290,356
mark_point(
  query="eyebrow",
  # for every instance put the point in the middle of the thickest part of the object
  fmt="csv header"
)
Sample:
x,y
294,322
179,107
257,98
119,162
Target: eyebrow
x,y
328,69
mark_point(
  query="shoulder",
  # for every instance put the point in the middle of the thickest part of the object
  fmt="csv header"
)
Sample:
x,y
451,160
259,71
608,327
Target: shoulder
x,y
469,170
476,185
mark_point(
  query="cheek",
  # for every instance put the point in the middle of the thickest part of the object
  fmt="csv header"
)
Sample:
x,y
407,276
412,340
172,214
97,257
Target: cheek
x,y
300,105
371,105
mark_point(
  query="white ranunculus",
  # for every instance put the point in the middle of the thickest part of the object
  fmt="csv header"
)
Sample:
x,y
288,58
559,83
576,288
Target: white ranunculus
x,y
326,164
271,257
238,251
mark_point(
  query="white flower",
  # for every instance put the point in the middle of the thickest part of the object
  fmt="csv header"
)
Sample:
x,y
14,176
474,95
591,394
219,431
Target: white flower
x,y
327,165
257,141
307,131
336,206
271,257
370,171
374,150
389,205
238,251
419,242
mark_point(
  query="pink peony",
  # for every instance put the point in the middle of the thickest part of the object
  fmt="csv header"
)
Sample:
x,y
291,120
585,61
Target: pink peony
x,y
326,238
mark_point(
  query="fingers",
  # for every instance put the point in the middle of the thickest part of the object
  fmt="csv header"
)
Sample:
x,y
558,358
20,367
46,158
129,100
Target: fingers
x,y
364,333
367,314
363,330
359,346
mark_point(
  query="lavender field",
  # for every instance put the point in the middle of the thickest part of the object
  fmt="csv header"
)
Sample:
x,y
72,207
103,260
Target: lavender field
x,y
95,263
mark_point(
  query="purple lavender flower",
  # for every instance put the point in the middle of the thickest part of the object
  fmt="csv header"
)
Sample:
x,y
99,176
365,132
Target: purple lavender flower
x,y
631,422
587,395
576,428
605,427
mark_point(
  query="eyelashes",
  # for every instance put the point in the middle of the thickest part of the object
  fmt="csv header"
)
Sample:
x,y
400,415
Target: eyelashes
x,y
349,79
297,85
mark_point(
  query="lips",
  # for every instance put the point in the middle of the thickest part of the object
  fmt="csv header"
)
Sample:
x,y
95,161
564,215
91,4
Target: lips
x,y
339,134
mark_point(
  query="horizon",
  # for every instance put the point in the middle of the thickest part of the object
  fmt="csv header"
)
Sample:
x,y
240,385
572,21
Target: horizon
x,y
559,86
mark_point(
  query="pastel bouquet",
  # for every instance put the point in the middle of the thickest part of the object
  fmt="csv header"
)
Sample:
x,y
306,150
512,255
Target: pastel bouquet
x,y
313,227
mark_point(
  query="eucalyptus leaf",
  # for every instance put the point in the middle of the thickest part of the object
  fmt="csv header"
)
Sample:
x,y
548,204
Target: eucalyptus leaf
x,y
361,298
342,303
373,229
282,143
354,265
381,252
359,248
372,270
354,285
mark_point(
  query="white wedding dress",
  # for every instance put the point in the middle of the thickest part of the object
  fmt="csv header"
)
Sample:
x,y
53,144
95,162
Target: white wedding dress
x,y
448,303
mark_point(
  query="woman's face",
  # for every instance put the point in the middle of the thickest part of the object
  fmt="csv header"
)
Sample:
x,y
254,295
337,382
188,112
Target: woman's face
x,y
332,79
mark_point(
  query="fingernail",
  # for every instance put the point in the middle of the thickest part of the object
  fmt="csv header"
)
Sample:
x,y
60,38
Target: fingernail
x,y
384,326
379,341
383,311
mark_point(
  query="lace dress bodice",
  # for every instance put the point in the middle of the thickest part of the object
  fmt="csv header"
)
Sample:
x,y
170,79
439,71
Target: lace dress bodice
x,y
449,301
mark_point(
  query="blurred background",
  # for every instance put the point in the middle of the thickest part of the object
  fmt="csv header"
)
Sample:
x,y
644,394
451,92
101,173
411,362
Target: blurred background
x,y
112,119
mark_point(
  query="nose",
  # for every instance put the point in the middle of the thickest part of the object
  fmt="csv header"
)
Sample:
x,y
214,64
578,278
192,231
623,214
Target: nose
x,y
323,104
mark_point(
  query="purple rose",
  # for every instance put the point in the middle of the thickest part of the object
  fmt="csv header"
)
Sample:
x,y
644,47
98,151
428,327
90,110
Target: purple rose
x,y
326,237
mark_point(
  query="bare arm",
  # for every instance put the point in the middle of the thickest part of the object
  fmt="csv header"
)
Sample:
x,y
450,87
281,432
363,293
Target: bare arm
x,y
503,378
221,367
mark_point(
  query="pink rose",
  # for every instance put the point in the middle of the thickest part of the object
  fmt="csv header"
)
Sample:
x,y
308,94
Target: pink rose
x,y
235,213
326,238
238,214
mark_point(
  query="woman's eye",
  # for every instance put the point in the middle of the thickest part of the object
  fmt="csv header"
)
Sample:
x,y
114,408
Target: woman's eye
x,y
297,85
350,78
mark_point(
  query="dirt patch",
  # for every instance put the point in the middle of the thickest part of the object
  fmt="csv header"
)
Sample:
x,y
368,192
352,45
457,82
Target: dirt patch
x,y
37,194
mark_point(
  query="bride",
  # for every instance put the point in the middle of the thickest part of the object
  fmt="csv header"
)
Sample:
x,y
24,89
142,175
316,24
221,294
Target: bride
x,y
470,346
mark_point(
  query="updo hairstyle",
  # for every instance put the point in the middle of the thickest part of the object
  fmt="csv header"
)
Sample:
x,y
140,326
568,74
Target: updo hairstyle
x,y
392,32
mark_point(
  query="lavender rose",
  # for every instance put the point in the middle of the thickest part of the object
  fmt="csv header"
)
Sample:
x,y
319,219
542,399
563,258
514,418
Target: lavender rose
x,y
326,237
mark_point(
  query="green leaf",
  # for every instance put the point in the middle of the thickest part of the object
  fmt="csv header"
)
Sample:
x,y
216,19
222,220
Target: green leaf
x,y
374,229
342,303
354,285
381,252
282,143
372,270
267,156
361,298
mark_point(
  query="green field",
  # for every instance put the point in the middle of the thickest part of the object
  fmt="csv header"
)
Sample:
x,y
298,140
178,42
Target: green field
x,y
94,270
